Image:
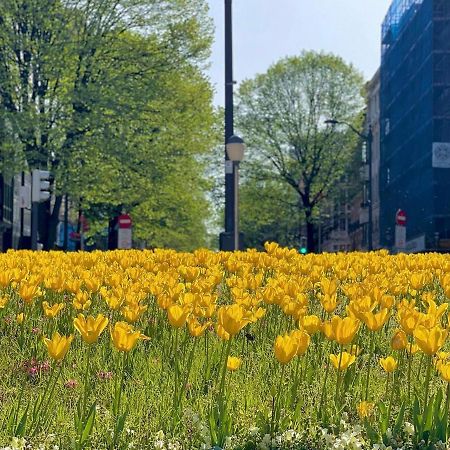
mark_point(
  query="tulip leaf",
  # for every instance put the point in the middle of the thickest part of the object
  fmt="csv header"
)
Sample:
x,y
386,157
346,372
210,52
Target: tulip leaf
x,y
20,430
399,422
89,424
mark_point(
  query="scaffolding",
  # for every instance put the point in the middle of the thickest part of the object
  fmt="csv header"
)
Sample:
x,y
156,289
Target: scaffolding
x,y
399,13
414,115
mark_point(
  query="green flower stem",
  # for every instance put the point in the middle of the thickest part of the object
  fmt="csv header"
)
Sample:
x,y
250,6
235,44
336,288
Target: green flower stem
x,y
86,392
41,410
338,376
410,357
427,382
372,340
276,406
324,387
222,381
447,405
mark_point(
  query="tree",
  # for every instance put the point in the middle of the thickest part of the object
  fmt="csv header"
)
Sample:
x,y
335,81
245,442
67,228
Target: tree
x,y
282,114
83,89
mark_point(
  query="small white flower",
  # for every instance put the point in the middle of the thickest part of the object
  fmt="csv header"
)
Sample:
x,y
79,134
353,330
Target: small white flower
x,y
408,428
160,435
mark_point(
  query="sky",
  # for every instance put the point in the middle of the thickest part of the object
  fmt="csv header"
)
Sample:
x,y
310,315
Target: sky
x,y
265,31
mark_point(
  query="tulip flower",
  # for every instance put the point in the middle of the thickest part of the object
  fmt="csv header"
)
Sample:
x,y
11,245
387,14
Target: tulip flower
x,y
431,340
52,311
195,328
81,301
177,315
302,338
365,409
444,372
20,318
311,324
58,346
233,363
389,364
3,302
233,318
342,361
399,340
375,322
344,330
90,328
28,292
285,348
124,336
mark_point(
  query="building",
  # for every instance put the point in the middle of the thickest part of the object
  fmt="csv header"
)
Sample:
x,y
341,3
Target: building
x,y
415,123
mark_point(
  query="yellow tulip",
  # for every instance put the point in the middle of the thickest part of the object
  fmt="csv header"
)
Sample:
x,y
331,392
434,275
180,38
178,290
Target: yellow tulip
x,y
58,346
81,300
233,363
399,341
285,348
344,330
177,315
302,338
232,318
342,361
20,318
90,328
329,302
409,319
52,311
311,324
375,321
133,312
444,371
431,340
365,409
3,302
124,336
28,292
195,328
389,364
222,333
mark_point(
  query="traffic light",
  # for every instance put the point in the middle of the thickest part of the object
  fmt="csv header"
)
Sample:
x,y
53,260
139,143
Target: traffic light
x,y
40,191
303,246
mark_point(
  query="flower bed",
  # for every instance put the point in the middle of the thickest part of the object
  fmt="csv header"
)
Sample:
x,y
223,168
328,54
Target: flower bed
x,y
158,349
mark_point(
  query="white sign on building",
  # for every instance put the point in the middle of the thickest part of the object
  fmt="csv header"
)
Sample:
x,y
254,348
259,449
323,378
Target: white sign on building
x,y
441,155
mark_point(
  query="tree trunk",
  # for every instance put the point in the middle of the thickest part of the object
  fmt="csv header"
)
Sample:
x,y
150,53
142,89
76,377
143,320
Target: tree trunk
x,y
310,242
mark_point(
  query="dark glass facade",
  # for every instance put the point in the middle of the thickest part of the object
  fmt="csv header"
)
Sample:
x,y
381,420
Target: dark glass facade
x,y
415,120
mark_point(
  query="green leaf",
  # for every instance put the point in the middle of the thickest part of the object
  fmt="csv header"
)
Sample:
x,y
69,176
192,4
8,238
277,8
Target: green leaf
x,y
89,424
400,419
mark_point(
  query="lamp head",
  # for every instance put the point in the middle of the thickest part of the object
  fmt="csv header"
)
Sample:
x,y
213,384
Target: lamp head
x,y
235,148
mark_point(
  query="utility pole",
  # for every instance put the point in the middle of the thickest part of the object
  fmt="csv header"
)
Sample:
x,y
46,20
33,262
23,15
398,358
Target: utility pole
x,y
369,190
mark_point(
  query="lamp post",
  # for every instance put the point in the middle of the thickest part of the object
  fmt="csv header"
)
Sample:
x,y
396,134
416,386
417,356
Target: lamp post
x,y
226,238
368,138
235,151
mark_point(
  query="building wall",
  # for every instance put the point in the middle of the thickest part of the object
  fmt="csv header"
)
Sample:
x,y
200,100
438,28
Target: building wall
x,y
373,120
414,113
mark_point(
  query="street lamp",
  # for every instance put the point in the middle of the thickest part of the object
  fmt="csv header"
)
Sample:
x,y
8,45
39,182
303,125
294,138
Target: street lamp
x,y
368,138
226,237
235,151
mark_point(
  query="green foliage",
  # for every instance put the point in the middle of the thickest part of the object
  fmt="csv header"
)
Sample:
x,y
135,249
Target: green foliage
x,y
110,96
282,117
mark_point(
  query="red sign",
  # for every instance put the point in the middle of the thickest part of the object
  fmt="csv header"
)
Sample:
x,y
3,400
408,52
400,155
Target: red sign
x,y
124,221
400,218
